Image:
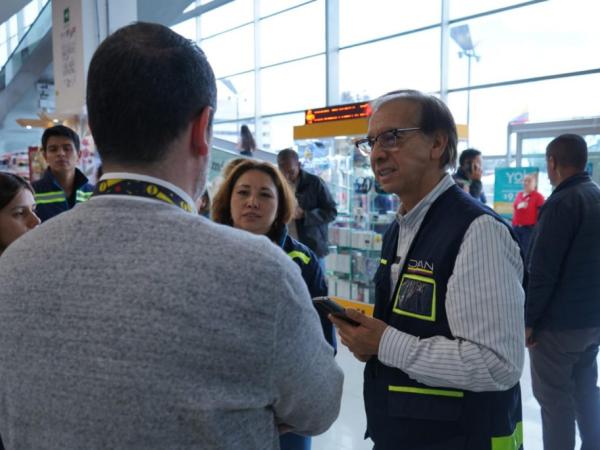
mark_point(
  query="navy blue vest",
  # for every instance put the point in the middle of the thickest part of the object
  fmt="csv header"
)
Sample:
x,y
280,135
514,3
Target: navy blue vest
x,y
403,414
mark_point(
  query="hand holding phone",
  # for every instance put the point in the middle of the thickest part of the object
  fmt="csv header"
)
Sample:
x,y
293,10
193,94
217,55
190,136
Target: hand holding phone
x,y
327,306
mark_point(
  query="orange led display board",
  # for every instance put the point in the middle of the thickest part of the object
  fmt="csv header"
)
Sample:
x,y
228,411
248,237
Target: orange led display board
x,y
340,112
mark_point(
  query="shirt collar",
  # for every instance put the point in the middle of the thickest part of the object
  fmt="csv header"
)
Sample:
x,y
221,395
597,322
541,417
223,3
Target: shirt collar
x,y
415,215
149,179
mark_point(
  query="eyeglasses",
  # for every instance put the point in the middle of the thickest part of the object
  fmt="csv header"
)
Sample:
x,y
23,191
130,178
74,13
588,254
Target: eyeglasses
x,y
386,140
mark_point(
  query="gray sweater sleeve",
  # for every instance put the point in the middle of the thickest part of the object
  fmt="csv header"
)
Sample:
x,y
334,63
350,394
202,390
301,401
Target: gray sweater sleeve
x,y
307,381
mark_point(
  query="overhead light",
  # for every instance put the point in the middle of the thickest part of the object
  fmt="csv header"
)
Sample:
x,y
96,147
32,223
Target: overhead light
x,y
28,127
462,36
55,120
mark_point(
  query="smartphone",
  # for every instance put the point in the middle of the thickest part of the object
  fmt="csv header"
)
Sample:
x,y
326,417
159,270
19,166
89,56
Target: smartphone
x,y
327,306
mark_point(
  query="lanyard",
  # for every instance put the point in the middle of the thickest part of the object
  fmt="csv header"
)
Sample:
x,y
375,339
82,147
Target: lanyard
x,y
118,186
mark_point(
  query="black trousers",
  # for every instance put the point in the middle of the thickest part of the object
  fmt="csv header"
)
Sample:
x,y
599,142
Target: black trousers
x,y
524,235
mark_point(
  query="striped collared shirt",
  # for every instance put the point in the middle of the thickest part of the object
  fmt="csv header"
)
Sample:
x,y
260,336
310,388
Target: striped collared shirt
x,y
484,305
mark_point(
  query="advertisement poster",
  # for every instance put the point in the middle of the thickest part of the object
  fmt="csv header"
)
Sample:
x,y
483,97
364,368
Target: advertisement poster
x,y
509,182
37,164
67,51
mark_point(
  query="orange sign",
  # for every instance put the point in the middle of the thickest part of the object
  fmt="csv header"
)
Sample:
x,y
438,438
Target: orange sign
x,y
340,112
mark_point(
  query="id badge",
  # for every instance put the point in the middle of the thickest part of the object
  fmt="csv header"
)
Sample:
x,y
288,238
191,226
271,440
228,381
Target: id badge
x,y
416,297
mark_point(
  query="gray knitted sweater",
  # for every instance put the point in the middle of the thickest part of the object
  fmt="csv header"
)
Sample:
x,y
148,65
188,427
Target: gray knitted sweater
x,y
128,323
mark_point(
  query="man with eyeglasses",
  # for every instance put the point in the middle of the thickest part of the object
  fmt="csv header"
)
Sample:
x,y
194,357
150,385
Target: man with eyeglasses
x,y
445,348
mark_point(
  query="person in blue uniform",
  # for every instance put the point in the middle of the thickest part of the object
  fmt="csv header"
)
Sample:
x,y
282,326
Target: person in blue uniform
x,y
445,349
63,185
255,197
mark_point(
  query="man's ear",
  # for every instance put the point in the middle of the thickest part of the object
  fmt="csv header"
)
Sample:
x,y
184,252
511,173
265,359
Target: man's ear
x,y
201,131
438,145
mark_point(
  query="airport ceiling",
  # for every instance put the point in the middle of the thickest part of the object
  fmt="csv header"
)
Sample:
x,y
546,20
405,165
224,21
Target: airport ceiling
x,y
9,7
165,12
13,136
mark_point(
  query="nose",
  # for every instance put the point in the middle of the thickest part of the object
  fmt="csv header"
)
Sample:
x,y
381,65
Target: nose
x,y
33,221
377,154
252,201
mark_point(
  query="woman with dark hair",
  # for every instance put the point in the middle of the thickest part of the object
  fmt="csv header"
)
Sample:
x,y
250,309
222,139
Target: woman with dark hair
x,y
17,208
247,145
255,197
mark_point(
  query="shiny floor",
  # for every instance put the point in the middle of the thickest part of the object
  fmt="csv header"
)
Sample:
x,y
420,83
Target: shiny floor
x,y
347,432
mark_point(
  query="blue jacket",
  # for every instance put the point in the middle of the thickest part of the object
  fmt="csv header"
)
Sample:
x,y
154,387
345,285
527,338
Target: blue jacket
x,y
50,196
475,186
312,274
563,292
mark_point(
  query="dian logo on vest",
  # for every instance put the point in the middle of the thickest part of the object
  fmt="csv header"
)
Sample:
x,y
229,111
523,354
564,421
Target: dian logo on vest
x,y
418,266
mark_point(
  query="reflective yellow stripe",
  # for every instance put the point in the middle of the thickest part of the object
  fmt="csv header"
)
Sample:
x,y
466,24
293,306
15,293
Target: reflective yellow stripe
x,y
50,197
384,261
512,442
48,194
45,202
428,391
83,196
402,312
301,256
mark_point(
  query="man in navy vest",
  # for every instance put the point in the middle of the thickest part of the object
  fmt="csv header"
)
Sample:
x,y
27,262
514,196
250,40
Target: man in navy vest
x,y
563,300
445,350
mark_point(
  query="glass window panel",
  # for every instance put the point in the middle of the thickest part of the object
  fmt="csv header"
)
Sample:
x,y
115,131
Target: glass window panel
x,y
360,22
494,108
462,8
278,131
226,17
230,131
3,53
30,12
268,7
235,97
293,86
12,26
518,44
187,29
291,27
12,43
231,52
3,32
405,62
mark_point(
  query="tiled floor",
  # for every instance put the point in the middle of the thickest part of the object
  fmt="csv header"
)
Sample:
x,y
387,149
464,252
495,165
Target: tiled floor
x,y
347,432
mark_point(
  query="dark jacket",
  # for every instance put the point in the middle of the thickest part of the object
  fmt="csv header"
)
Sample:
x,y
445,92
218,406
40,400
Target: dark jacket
x,y
312,274
50,197
403,414
564,259
475,186
319,209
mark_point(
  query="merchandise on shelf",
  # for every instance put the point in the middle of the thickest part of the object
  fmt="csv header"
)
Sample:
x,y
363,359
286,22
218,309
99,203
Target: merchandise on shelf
x,y
364,212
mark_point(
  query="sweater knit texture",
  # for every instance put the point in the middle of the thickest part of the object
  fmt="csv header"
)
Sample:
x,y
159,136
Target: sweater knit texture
x,y
129,323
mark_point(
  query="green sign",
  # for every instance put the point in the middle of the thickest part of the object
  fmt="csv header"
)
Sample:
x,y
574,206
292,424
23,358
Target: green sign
x,y
66,15
509,182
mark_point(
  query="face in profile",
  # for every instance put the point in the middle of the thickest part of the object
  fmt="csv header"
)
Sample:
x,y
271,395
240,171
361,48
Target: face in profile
x,y
290,168
17,218
254,202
